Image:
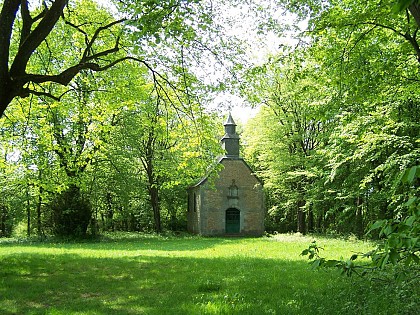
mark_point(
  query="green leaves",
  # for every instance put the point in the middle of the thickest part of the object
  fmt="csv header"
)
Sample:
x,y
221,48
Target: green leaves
x,y
312,251
376,225
347,267
401,5
399,239
410,174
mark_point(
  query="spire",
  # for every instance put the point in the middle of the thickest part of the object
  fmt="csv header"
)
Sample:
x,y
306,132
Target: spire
x,y
229,120
230,141
230,126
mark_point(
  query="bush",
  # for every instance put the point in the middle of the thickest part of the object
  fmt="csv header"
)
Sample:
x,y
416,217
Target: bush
x,y
71,213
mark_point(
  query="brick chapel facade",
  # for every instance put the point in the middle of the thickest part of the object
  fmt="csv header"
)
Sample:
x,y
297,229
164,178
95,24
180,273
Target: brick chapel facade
x,y
231,203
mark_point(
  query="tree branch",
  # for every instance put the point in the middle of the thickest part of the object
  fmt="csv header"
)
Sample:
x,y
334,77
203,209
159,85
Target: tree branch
x,y
414,9
378,25
95,36
407,36
28,92
26,22
7,18
77,27
36,37
67,75
103,53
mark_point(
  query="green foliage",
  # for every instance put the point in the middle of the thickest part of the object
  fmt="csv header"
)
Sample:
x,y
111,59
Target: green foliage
x,y
72,213
94,137
351,91
399,242
347,267
284,136
401,234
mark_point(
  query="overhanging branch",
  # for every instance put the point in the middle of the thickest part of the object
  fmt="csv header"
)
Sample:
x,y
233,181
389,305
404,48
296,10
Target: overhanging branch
x,y
36,37
95,36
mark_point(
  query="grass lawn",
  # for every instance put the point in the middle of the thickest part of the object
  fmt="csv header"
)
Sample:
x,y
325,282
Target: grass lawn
x,y
145,274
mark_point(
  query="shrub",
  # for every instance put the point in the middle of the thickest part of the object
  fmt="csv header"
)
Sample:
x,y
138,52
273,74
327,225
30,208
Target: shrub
x,y
71,213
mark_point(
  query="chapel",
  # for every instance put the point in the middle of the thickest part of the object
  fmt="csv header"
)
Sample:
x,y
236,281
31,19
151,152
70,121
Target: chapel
x,y
229,200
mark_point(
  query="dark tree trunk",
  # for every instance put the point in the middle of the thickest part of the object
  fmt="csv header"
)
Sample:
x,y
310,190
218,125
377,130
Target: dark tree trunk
x,y
320,223
28,213
7,18
359,217
153,188
311,221
110,213
39,212
301,216
154,200
415,12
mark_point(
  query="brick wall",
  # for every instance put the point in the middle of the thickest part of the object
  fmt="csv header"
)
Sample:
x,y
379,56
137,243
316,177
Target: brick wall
x,y
209,217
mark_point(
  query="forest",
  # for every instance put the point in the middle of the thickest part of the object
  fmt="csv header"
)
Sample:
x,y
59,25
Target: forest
x,y
107,113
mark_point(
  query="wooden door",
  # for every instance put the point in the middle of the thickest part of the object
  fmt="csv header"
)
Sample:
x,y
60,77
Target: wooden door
x,y
233,221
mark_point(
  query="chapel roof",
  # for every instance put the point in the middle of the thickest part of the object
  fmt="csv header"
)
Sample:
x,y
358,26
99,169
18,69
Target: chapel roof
x,y
230,121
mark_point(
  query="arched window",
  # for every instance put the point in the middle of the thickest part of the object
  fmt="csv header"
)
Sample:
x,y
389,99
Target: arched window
x,y
233,190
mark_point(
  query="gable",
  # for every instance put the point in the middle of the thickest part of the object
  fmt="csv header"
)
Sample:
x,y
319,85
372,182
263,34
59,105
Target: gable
x,y
239,170
238,165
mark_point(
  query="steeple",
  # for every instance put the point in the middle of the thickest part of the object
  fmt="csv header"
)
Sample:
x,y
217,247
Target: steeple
x,y
230,141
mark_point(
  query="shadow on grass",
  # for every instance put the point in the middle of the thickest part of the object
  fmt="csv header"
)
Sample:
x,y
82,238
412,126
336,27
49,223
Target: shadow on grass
x,y
128,242
32,283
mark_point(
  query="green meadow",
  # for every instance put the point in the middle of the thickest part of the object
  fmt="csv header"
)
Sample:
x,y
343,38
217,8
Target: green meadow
x,y
149,274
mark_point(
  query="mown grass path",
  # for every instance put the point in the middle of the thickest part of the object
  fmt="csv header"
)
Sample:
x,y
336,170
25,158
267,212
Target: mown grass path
x,y
143,274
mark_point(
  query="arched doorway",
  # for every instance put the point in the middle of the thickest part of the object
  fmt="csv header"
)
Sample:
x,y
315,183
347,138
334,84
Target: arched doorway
x,y
233,220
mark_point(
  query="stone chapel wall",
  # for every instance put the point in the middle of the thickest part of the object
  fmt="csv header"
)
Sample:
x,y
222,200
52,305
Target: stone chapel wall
x,y
249,202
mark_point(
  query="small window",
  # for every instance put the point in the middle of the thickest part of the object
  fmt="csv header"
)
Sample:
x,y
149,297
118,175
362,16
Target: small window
x,y
233,190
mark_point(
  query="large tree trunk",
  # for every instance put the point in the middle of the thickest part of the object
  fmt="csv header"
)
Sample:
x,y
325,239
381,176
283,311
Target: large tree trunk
x,y
153,188
7,18
301,216
414,9
110,213
415,12
359,217
39,212
311,223
28,212
154,200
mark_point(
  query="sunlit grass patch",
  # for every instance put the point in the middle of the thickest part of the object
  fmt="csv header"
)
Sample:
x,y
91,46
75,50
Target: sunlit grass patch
x,y
143,274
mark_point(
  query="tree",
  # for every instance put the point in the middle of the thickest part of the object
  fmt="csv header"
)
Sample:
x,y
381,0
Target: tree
x,y
149,143
68,150
33,27
55,146
27,31
158,141
369,51
291,128
361,86
371,56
